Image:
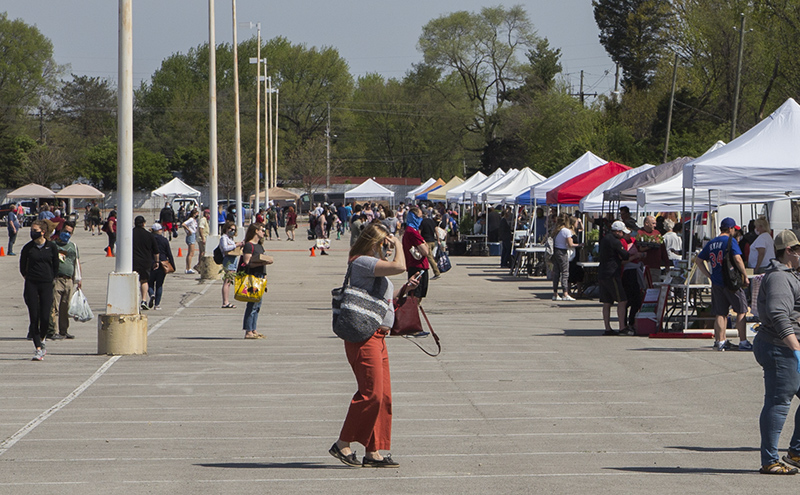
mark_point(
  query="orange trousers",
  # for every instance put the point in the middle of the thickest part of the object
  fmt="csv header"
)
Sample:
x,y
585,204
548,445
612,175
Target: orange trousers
x,y
369,419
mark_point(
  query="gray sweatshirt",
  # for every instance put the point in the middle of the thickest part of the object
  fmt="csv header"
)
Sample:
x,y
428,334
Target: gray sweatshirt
x,y
779,302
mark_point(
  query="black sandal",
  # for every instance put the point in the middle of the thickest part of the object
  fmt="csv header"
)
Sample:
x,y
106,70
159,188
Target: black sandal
x,y
228,306
351,460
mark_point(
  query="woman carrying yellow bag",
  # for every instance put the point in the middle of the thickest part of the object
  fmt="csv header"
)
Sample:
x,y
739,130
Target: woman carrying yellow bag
x,y
252,265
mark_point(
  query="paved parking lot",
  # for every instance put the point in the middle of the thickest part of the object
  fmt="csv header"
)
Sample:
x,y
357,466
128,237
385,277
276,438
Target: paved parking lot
x,y
526,397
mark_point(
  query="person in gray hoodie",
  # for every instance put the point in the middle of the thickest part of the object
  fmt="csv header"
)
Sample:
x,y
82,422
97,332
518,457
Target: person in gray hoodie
x,y
777,350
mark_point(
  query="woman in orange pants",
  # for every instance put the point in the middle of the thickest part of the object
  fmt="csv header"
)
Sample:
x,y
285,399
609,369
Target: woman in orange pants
x,y
369,419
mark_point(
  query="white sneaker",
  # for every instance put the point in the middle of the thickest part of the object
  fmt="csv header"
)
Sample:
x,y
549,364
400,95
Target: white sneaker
x,y
190,271
557,298
567,298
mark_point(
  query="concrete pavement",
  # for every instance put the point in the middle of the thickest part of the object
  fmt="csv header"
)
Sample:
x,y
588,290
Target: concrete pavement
x,y
526,397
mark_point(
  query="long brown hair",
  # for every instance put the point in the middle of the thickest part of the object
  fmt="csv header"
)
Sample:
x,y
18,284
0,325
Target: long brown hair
x,y
373,235
251,231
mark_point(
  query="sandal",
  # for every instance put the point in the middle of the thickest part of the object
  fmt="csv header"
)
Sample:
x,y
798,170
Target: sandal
x,y
777,468
228,306
251,336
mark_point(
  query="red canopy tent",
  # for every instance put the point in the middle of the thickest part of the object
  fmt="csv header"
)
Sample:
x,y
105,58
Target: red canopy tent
x,y
572,191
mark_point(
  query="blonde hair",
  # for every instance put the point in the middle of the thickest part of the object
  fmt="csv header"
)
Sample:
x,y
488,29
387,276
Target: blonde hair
x,y
373,235
762,224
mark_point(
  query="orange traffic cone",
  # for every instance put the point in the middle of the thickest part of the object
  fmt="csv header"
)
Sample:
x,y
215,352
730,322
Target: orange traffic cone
x,y
180,253
312,252
109,253
2,251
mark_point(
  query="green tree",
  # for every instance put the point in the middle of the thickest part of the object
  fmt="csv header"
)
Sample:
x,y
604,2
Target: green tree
x,y
88,105
545,66
191,163
99,164
633,33
150,169
43,165
481,49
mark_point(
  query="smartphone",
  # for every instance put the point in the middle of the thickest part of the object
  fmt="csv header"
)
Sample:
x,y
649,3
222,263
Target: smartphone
x,y
417,277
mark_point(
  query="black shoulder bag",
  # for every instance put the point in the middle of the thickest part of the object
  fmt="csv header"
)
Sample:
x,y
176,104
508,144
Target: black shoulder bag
x,y
731,276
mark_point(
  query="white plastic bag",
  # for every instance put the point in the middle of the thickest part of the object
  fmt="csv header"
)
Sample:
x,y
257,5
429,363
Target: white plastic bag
x,y
79,307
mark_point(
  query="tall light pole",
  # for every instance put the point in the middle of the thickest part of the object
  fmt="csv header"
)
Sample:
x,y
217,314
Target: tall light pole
x,y
257,61
328,149
734,117
213,173
275,144
122,329
267,148
237,144
268,123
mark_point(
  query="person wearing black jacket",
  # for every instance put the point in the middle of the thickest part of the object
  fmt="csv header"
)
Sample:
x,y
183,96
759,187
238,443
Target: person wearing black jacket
x,y
145,257
159,273
609,275
167,218
427,230
38,264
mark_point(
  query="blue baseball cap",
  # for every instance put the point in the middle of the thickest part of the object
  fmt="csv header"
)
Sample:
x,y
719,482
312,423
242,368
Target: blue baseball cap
x,y
727,223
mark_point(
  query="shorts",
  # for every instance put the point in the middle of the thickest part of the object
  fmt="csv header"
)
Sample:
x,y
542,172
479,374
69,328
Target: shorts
x,y
422,289
144,274
191,239
611,290
722,300
290,228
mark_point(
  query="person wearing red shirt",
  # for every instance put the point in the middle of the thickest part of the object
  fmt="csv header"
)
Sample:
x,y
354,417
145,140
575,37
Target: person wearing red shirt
x,y
413,243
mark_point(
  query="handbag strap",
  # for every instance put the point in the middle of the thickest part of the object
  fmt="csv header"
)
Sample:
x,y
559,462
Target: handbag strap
x,y
433,334
376,283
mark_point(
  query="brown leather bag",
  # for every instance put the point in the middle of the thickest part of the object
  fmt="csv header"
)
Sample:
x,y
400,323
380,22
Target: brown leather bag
x,y
407,321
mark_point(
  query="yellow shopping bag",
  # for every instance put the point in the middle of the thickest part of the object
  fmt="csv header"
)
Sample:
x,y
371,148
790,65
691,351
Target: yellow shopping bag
x,y
249,288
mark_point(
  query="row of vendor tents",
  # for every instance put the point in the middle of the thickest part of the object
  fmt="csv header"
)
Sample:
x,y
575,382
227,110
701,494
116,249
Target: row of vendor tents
x,y
760,166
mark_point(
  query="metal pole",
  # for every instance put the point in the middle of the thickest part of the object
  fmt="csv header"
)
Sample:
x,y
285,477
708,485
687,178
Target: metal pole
x,y
124,261
212,122
268,84
738,81
328,149
267,148
258,120
275,148
237,126
671,103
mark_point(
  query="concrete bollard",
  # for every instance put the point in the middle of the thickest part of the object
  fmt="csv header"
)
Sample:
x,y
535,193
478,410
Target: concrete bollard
x,y
121,334
207,269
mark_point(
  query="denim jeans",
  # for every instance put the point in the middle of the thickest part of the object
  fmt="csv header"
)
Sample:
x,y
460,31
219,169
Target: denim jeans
x,y
781,383
251,316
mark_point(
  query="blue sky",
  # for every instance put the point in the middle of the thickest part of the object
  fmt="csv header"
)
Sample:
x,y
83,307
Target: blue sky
x,y
372,35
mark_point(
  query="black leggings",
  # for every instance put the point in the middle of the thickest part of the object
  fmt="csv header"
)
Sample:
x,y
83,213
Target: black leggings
x,y
39,298
633,291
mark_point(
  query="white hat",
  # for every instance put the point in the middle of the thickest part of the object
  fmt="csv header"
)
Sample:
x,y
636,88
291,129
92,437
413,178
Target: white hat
x,y
620,227
156,227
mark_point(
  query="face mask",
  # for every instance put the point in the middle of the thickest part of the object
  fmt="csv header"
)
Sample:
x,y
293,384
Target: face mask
x,y
35,234
64,237
231,233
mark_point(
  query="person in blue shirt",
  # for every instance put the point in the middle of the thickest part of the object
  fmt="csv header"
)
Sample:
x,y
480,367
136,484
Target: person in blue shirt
x,y
722,298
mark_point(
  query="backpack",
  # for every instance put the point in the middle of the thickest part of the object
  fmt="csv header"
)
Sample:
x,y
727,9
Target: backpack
x,y
104,228
218,256
731,276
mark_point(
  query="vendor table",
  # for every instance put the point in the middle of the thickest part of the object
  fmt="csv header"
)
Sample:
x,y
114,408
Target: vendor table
x,y
476,244
525,257
590,275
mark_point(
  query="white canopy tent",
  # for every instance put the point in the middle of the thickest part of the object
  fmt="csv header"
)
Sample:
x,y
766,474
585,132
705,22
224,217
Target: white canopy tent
x,y
507,193
369,189
176,188
413,193
593,202
457,193
763,164
479,196
584,163
467,193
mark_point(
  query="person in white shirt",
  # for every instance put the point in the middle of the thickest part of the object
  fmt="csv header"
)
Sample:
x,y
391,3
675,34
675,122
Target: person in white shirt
x,y
763,248
562,242
190,226
673,243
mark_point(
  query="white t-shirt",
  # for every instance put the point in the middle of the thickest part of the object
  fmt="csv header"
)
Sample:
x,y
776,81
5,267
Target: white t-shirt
x,y
763,241
673,241
191,225
560,240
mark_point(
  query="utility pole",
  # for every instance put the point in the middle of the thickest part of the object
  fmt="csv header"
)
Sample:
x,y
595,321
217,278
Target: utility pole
x,y
671,103
616,85
275,145
328,149
738,81
581,94
237,126
266,141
